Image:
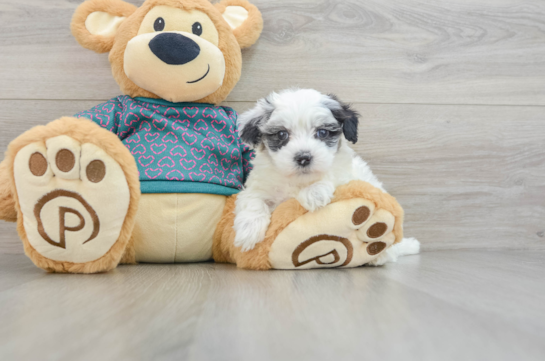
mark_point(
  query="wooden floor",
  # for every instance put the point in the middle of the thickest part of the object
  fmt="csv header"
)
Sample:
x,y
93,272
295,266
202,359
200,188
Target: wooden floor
x,y
442,305
452,97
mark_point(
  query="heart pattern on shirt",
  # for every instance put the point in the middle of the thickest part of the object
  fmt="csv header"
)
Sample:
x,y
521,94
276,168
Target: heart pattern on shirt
x,y
192,143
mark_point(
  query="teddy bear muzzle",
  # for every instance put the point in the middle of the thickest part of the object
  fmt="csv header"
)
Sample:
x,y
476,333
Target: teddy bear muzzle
x,y
176,66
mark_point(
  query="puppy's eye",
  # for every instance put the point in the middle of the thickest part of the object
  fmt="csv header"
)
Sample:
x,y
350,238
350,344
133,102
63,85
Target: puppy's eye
x,y
159,24
282,135
197,29
322,133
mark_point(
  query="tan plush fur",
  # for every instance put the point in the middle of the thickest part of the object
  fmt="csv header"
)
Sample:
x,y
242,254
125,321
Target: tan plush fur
x,y
129,256
224,250
98,43
83,131
87,132
8,212
246,35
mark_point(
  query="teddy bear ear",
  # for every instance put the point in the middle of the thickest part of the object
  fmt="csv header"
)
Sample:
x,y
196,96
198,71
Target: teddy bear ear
x,y
95,23
244,19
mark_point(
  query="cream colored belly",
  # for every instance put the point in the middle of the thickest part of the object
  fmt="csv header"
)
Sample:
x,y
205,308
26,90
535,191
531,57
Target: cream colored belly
x,y
175,228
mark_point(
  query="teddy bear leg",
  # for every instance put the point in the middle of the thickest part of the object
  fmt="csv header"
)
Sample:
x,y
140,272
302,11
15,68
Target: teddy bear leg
x,y
8,211
224,250
360,224
76,191
129,255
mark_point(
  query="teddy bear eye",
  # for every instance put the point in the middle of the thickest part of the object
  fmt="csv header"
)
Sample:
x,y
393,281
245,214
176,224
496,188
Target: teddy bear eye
x,y
197,29
159,24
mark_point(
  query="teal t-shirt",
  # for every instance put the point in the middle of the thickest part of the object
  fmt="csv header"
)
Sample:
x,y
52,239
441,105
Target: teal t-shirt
x,y
178,147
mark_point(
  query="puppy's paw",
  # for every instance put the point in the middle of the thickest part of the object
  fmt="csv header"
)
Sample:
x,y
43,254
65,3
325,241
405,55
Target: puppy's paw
x,y
383,258
317,195
250,230
407,246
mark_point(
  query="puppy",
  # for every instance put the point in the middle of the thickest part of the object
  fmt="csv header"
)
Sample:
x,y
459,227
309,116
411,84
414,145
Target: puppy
x,y
301,141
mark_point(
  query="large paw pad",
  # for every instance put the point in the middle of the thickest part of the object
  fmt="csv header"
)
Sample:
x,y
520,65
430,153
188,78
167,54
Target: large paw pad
x,y
343,234
74,198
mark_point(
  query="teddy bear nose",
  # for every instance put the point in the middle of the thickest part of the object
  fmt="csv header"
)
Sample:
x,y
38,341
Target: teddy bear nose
x,y
174,49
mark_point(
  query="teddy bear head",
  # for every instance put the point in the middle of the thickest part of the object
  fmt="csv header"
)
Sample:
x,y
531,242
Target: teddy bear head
x,y
177,50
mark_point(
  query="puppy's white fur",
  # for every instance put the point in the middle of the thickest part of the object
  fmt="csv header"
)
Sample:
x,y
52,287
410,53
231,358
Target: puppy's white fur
x,y
277,177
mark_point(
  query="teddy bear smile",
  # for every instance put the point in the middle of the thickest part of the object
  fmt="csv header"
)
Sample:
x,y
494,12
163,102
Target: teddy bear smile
x,y
176,49
201,78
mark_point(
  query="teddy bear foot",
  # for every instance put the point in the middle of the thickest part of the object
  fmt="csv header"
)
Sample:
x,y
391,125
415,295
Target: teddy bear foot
x,y
74,199
356,228
348,233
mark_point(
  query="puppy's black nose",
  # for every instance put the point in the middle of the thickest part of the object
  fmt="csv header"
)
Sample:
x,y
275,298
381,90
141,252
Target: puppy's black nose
x,y
174,49
303,159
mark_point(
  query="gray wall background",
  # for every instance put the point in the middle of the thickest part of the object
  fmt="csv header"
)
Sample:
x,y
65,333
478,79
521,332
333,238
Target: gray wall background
x,y
452,95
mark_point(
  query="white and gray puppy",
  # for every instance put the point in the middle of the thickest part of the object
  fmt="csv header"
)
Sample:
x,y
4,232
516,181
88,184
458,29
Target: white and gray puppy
x,y
301,141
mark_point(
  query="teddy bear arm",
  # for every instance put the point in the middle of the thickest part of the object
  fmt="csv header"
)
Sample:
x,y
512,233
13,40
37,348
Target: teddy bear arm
x,y
107,115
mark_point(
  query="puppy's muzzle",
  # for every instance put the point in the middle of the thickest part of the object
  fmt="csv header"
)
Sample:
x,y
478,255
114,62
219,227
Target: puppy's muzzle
x,y
174,49
303,159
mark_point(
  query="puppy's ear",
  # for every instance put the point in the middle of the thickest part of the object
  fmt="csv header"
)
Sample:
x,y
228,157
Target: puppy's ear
x,y
347,117
249,121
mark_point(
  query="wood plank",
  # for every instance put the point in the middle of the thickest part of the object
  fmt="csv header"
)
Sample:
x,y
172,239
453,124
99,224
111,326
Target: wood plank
x,y
436,306
489,271
328,316
10,242
467,176
455,52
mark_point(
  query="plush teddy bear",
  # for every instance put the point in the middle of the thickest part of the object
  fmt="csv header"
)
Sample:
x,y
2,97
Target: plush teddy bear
x,y
152,175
